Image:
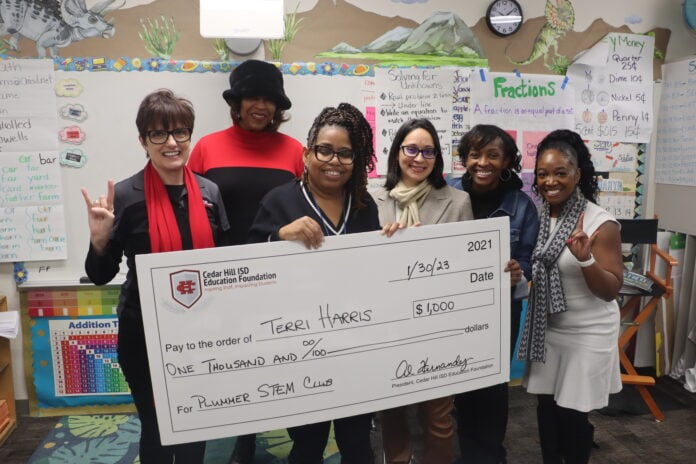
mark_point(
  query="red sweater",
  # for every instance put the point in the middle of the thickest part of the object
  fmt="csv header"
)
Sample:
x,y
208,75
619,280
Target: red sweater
x,y
246,165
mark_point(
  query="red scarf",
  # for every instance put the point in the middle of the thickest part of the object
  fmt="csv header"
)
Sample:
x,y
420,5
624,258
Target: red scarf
x,y
164,231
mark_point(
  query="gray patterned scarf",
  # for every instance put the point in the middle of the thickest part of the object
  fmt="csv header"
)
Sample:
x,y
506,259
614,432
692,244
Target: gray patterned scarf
x,y
547,296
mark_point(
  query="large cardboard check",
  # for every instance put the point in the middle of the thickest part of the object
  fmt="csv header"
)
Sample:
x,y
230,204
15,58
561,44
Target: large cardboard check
x,y
258,337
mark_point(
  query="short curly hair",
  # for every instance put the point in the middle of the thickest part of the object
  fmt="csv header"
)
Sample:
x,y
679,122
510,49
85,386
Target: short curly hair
x,y
481,135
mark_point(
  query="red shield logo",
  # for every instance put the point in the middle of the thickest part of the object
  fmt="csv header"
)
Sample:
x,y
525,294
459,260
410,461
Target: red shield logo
x,y
186,287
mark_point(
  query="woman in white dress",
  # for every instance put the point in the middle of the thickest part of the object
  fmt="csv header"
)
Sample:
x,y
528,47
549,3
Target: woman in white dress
x,y
572,325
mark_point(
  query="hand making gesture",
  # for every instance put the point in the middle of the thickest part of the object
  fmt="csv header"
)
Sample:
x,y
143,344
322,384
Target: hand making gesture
x,y
100,217
579,243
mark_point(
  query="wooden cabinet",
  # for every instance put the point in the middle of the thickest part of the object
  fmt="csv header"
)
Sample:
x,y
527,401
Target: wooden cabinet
x,y
6,385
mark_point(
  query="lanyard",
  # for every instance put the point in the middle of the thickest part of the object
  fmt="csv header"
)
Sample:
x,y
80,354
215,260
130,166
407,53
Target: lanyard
x,y
328,227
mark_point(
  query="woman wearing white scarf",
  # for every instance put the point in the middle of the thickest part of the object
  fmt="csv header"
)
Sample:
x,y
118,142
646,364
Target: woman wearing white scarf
x,y
572,323
415,193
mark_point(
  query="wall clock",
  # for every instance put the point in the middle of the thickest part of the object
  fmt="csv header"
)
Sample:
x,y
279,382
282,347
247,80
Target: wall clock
x,y
504,17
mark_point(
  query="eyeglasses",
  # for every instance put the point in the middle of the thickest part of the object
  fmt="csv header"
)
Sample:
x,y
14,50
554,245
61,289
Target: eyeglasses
x,y
159,136
325,154
413,151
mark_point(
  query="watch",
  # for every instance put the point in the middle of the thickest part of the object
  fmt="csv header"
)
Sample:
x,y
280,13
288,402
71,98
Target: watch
x,y
504,17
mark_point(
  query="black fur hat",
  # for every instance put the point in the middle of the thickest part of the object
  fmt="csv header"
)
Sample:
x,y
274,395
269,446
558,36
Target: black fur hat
x,y
254,78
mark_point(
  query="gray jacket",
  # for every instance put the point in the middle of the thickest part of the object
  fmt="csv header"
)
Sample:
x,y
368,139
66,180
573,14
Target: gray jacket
x,y
442,205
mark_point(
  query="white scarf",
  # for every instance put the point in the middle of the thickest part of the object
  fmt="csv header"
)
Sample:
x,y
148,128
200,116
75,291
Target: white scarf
x,y
409,200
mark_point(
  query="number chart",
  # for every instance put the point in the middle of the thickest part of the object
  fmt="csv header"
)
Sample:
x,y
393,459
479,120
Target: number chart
x,y
84,357
72,334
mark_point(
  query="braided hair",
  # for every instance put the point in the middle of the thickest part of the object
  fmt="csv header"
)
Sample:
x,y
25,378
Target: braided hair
x,y
360,133
570,144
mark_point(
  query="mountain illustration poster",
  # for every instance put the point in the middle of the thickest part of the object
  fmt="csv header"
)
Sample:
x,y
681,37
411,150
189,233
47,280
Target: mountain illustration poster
x,y
137,35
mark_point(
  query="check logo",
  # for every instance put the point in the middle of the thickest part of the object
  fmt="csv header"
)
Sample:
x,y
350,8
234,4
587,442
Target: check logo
x,y
186,287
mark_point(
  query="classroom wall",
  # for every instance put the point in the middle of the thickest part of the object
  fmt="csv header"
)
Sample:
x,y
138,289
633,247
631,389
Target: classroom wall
x,y
637,16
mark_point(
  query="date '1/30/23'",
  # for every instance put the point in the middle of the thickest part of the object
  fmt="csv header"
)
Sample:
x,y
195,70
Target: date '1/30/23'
x,y
423,269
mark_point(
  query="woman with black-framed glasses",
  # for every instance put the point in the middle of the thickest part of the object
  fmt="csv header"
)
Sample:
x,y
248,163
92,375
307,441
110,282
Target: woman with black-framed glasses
x,y
416,193
331,198
161,136
163,207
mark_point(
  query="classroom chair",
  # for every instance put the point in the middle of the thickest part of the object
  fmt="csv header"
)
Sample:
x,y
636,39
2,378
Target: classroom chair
x,y
633,315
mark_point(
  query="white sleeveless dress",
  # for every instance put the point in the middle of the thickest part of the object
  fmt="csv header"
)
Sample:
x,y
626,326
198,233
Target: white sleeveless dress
x,y
582,361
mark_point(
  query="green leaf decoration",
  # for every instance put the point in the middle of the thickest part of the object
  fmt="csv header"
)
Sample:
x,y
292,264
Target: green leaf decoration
x,y
97,451
96,426
130,430
277,443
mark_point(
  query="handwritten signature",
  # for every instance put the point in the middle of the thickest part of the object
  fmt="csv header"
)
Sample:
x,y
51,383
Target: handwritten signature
x,y
405,369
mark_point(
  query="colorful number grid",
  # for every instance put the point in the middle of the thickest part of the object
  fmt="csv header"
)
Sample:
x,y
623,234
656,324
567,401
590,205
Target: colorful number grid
x,y
85,360
72,303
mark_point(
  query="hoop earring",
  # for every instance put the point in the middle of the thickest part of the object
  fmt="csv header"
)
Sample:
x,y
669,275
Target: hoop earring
x,y
505,175
467,176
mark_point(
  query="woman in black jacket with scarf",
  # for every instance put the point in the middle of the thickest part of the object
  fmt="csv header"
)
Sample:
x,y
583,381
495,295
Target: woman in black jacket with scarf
x,y
164,207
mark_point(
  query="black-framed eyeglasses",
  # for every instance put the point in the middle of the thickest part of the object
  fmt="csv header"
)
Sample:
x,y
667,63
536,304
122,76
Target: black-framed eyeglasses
x,y
326,153
160,136
412,151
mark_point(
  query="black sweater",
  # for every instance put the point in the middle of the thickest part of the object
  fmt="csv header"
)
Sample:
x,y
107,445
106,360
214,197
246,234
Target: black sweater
x,y
286,203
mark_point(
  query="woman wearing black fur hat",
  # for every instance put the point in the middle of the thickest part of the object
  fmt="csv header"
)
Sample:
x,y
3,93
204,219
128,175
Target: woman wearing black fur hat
x,y
249,159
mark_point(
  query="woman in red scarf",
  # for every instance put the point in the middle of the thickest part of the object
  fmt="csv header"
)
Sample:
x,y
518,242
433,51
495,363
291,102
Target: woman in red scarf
x,y
164,207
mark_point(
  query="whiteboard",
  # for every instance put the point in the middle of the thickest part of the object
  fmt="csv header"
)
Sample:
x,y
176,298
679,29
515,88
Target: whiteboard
x,y
111,146
675,160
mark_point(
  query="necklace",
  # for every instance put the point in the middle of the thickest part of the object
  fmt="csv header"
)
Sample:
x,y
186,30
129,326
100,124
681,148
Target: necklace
x,y
326,223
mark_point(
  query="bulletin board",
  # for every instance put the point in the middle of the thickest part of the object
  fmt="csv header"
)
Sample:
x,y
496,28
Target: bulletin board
x,y
110,144
107,94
